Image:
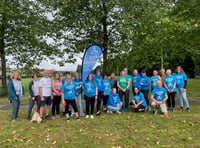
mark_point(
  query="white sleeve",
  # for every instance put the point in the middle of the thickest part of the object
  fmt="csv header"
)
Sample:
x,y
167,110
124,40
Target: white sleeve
x,y
41,83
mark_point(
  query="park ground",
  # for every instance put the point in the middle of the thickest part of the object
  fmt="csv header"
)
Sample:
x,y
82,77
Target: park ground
x,y
180,129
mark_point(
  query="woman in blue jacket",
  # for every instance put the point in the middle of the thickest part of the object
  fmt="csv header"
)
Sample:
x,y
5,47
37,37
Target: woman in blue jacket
x,y
145,83
114,103
181,84
106,91
15,94
138,101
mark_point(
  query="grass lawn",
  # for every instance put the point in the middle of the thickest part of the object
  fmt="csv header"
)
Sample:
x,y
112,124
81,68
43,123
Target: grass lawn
x,y
180,129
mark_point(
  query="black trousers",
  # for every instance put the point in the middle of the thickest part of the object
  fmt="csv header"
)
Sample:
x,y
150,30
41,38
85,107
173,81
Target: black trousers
x,y
56,105
100,96
73,104
89,103
31,104
105,100
139,107
145,93
171,99
124,96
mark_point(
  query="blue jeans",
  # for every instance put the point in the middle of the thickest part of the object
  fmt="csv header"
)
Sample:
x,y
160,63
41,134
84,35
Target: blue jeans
x,y
15,109
182,97
112,108
79,104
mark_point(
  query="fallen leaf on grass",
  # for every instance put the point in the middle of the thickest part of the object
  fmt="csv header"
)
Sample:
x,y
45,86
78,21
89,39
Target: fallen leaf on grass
x,y
190,138
95,142
157,142
13,132
54,143
184,130
67,141
75,138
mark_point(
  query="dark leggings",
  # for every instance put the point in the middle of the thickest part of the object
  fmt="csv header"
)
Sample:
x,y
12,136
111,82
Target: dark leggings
x,y
171,99
56,105
145,93
73,104
89,102
105,100
100,96
126,98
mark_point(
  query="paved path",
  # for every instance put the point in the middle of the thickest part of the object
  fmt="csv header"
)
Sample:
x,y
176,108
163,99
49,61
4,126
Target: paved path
x,y
25,107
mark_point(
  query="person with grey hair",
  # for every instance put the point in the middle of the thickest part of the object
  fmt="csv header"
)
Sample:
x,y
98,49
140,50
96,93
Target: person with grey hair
x,y
170,85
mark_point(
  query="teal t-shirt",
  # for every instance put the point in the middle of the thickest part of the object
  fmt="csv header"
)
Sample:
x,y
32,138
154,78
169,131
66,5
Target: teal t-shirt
x,y
169,81
138,98
68,89
159,93
90,88
154,80
180,80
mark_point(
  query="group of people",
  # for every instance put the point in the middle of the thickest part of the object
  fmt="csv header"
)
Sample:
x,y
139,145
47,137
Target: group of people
x,y
114,93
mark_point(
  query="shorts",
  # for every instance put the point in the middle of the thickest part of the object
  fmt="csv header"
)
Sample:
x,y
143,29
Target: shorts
x,y
163,107
47,101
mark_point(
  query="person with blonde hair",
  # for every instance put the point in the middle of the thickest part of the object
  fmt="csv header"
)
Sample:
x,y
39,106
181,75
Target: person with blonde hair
x,y
15,94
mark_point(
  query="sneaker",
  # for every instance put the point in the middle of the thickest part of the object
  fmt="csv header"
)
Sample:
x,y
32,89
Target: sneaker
x,y
47,118
188,109
108,111
53,117
91,116
181,108
121,109
104,109
72,115
87,116
98,113
68,120
111,112
28,118
149,108
13,120
77,119
172,110
126,109
154,113
118,112
57,116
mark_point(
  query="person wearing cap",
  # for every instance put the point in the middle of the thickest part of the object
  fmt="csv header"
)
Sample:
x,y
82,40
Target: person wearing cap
x,y
159,96
136,80
66,74
145,84
154,79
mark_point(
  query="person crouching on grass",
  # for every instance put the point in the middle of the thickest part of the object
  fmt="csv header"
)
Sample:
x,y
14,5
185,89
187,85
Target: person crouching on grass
x,y
159,96
68,97
106,91
114,103
138,101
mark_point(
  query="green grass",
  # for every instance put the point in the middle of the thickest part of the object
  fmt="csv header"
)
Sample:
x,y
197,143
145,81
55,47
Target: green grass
x,y
180,129
192,91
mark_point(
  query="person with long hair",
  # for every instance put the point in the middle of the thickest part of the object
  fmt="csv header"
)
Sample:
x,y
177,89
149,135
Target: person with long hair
x,y
68,97
34,95
56,94
123,84
170,85
106,91
181,84
154,79
136,80
138,101
91,93
15,94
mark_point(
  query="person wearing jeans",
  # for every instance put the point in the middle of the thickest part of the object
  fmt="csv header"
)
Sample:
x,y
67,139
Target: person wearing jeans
x,y
77,82
106,92
145,83
123,84
91,93
15,94
181,84
170,85
34,95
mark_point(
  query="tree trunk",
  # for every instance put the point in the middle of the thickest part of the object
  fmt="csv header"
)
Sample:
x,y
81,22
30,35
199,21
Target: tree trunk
x,y
105,37
3,59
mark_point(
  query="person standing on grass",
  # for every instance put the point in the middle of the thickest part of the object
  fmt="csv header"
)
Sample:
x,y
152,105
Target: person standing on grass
x,y
68,96
136,80
123,84
154,79
114,103
91,93
145,83
170,85
162,76
99,81
77,82
56,94
34,95
159,96
138,101
181,84
106,91
15,94
129,77
45,94
113,81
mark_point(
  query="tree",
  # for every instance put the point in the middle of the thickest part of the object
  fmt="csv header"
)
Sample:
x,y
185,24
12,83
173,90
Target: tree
x,y
23,35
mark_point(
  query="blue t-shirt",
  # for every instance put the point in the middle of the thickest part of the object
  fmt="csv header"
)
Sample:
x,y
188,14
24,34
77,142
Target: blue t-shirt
x,y
69,91
113,100
90,88
169,81
146,82
107,87
138,98
180,79
63,80
159,93
129,78
77,84
154,80
136,81
99,82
